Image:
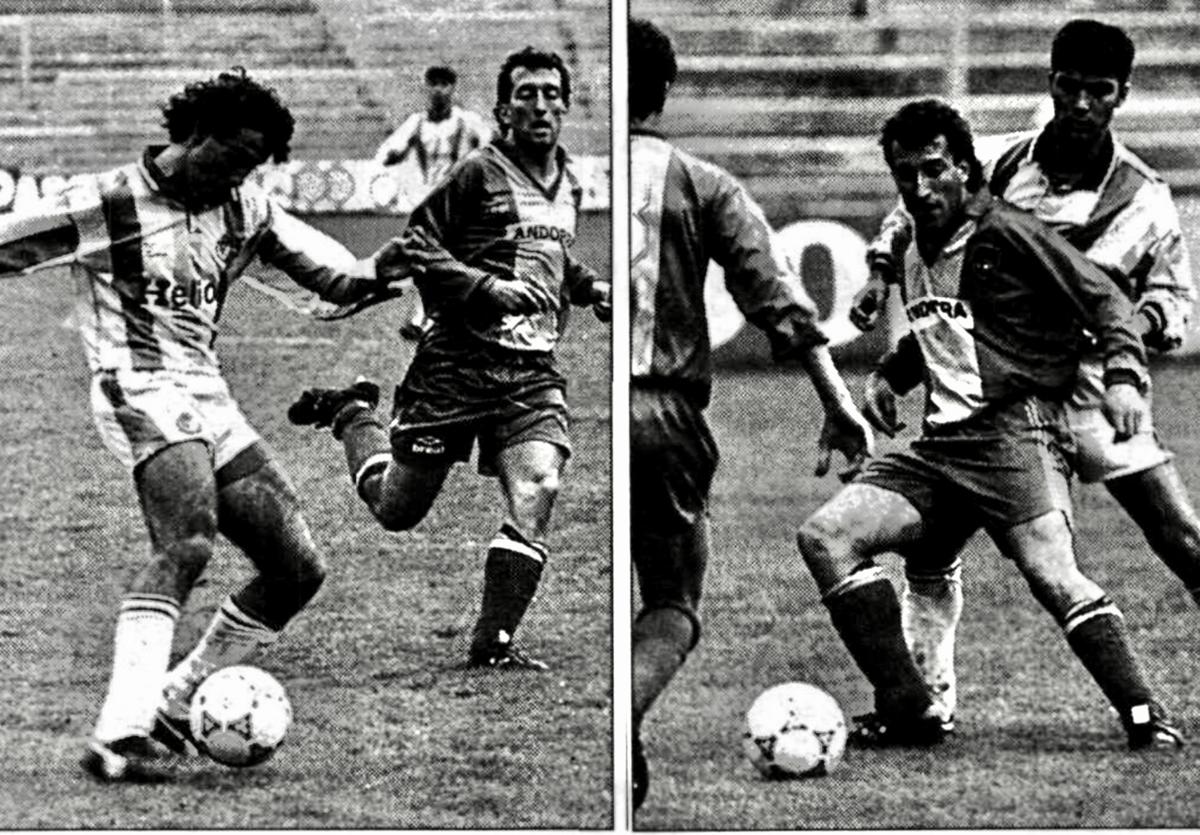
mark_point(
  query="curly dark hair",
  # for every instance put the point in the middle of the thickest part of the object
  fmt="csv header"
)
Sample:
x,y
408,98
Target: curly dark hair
x,y
919,123
531,58
1092,48
224,105
652,68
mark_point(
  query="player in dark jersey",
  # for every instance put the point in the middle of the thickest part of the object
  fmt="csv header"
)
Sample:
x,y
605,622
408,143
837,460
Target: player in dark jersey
x,y
996,300
494,241
1075,175
685,212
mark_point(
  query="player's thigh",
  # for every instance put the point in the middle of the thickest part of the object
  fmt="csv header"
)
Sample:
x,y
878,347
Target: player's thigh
x,y
259,512
673,459
1156,499
1099,457
178,495
1043,549
863,519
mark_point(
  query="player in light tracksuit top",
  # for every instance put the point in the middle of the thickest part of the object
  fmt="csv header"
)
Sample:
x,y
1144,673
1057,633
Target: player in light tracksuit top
x,y
155,246
683,213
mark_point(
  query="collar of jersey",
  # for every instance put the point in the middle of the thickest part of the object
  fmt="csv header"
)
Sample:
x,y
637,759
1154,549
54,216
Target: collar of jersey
x,y
506,148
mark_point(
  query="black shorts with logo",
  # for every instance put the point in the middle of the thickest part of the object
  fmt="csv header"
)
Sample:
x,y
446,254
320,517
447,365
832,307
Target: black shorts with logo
x,y
451,397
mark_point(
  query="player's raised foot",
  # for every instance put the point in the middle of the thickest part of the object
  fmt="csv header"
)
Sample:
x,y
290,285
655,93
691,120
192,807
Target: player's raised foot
x,y
414,329
1149,728
873,730
319,407
504,655
131,759
174,733
641,773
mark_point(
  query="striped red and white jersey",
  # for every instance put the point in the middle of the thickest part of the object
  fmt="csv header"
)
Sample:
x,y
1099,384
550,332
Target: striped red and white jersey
x,y
495,219
1122,218
152,277
686,212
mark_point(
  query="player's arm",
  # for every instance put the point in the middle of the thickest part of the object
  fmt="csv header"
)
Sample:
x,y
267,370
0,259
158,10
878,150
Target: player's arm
x,y
318,263
395,148
741,240
587,288
1105,309
49,233
1152,253
884,256
899,371
449,284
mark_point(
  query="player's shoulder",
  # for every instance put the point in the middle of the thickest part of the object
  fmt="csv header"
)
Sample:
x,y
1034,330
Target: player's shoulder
x,y
707,178
996,217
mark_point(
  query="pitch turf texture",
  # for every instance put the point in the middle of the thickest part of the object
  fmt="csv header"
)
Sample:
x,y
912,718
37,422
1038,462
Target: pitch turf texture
x,y
390,729
1036,745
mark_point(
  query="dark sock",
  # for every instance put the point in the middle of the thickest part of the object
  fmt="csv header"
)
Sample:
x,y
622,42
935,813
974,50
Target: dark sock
x,y
866,613
662,639
368,449
1096,632
510,581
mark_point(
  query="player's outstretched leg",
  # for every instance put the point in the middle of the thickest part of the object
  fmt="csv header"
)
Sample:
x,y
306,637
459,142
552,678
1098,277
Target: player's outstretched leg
x,y
837,543
1043,550
178,496
259,513
1157,500
529,477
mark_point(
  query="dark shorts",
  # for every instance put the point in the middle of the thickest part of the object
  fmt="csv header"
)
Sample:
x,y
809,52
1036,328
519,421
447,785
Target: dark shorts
x,y
995,471
500,398
673,458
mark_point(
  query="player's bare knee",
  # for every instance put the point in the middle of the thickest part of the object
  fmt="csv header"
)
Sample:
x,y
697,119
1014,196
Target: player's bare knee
x,y
828,549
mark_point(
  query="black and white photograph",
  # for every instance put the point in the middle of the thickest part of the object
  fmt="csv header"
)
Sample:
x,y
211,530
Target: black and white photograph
x,y
305,380
912,414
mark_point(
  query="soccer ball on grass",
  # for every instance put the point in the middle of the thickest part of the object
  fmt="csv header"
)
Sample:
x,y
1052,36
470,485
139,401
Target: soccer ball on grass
x,y
239,716
794,730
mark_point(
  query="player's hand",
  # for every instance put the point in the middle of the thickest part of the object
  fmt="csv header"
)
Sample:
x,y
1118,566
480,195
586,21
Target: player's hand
x,y
845,431
868,304
402,257
515,295
879,405
602,299
1126,409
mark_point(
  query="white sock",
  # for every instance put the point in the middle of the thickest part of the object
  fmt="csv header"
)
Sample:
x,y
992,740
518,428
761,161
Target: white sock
x,y
141,650
930,610
231,637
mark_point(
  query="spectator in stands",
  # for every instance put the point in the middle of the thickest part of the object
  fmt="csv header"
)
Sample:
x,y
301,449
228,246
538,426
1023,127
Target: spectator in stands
x,y
437,138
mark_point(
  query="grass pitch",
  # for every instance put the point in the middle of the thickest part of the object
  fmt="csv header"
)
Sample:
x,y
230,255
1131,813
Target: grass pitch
x,y
1036,744
390,731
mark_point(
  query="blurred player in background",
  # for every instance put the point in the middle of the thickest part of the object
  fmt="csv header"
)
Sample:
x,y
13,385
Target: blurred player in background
x,y
1077,177
997,301
436,138
498,280
684,213
156,246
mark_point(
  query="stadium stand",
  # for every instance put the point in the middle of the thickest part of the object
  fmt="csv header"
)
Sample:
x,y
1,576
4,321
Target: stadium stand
x,y
791,96
98,70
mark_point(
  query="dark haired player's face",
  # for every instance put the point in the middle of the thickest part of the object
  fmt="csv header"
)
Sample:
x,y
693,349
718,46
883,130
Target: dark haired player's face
x,y
441,95
932,185
218,164
1084,104
535,109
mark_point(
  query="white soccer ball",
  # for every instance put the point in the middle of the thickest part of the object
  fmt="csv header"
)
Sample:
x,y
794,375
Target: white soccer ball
x,y
794,730
240,715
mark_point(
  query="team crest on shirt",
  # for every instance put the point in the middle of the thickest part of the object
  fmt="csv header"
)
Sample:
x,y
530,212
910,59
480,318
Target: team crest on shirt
x,y
985,258
188,424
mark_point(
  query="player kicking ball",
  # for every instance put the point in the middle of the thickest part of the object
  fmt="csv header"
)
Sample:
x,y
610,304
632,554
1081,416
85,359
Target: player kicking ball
x,y
157,244
492,242
997,302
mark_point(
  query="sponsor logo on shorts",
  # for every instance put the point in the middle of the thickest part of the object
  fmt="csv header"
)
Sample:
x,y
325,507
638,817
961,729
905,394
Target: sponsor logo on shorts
x,y
428,445
188,424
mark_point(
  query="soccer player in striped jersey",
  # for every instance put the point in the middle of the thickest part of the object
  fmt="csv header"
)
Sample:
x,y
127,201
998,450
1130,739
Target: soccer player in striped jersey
x,y
1075,175
684,213
436,138
997,302
498,279
155,246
